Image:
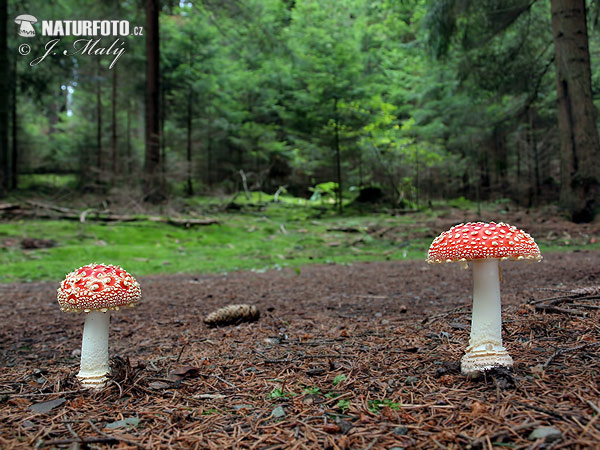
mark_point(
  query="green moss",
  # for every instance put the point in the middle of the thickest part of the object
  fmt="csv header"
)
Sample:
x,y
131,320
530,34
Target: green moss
x,y
281,235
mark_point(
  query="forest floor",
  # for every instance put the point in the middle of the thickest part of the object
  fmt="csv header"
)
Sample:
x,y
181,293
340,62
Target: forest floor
x,y
364,356
41,240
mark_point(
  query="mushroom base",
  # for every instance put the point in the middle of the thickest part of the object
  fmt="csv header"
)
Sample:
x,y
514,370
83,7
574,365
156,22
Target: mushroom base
x,y
92,382
482,360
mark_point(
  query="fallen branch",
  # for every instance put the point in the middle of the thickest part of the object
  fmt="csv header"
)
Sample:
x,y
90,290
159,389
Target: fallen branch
x,y
115,436
345,229
43,211
90,440
559,310
583,305
502,434
299,358
585,293
279,191
39,394
459,310
186,223
562,351
245,184
50,207
9,206
546,411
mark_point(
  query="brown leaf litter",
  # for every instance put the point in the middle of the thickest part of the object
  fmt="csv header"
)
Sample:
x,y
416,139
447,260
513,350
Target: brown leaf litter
x,y
361,356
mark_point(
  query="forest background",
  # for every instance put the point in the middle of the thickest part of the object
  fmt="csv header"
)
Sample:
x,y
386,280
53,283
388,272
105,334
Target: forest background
x,y
404,101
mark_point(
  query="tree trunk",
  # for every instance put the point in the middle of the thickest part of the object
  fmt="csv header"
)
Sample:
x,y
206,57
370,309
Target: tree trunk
x,y
579,143
417,176
484,175
4,93
115,167
99,159
163,134
518,149
14,161
190,185
536,155
209,155
128,144
338,158
500,160
153,186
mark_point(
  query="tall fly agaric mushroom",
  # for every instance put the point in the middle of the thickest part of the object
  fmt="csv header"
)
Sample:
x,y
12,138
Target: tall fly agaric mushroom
x,y
96,289
484,244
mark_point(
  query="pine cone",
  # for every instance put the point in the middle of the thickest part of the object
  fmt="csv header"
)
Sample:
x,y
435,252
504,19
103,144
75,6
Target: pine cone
x,y
232,314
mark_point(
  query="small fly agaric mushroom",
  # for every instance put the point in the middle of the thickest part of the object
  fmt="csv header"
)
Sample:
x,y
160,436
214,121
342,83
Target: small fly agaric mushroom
x,y
26,22
96,289
484,244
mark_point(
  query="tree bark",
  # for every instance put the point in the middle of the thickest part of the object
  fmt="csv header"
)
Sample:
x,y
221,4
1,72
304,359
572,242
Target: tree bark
x,y
338,156
99,158
14,161
190,185
209,156
4,99
163,134
153,186
579,142
536,155
115,166
128,143
417,176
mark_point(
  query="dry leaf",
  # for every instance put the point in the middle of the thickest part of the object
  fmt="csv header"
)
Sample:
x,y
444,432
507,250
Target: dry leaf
x,y
184,372
331,428
478,408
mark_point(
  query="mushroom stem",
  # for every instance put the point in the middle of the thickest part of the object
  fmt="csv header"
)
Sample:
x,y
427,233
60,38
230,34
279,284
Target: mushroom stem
x,y
485,349
94,350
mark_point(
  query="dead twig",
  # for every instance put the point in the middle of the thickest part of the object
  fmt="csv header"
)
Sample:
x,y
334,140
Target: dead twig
x,y
432,319
540,409
245,184
562,351
181,352
299,358
90,440
39,394
502,434
43,211
559,310
114,436
590,292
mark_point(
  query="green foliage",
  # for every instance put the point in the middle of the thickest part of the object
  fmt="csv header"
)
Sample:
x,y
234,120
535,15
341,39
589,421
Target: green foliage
x,y
376,405
46,181
311,390
279,393
461,203
266,82
324,192
343,404
285,235
338,379
288,234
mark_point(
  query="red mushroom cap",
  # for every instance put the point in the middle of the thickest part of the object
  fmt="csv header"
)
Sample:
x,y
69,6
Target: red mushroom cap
x,y
480,240
98,287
